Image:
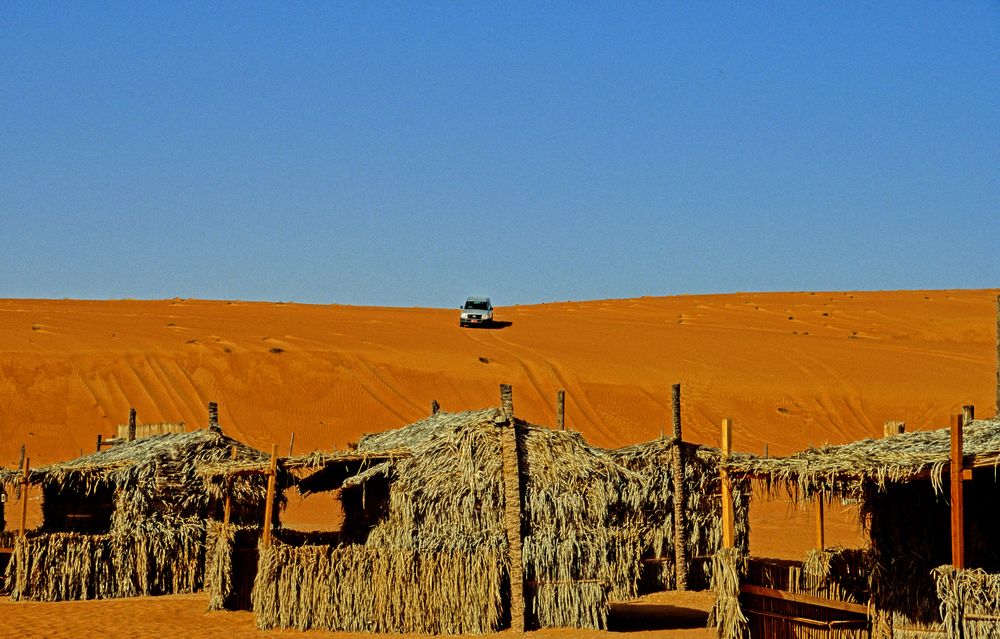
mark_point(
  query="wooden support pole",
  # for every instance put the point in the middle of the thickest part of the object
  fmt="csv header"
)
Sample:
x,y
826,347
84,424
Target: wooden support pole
x,y
680,496
507,401
511,464
99,442
291,443
435,407
24,496
213,416
957,503
131,424
820,524
891,428
227,510
968,413
561,409
728,526
269,505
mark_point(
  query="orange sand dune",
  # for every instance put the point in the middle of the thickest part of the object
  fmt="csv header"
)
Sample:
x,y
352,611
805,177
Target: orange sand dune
x,y
792,369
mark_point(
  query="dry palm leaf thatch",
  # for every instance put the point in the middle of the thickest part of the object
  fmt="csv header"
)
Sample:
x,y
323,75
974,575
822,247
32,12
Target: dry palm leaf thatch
x,y
361,589
152,558
729,569
970,602
703,526
847,469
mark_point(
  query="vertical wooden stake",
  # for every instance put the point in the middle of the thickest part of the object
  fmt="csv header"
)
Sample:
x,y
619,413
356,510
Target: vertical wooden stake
x,y
968,413
227,512
728,527
680,497
957,503
213,417
99,442
820,529
269,505
291,443
131,424
891,428
507,401
561,409
24,495
435,407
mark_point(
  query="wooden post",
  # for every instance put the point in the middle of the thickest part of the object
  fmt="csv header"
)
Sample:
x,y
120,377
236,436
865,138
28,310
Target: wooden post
x,y
680,497
131,424
728,526
269,506
820,530
291,443
765,451
227,511
957,503
891,428
511,464
213,416
99,442
968,413
561,409
435,407
24,496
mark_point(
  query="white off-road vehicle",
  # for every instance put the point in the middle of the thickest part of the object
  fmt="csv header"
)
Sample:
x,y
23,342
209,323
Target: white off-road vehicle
x,y
477,311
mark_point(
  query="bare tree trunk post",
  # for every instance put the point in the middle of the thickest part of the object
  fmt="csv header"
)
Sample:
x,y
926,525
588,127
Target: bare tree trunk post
x,y
435,407
272,473
561,409
680,495
512,507
291,443
24,496
131,424
820,523
227,511
728,527
957,498
99,442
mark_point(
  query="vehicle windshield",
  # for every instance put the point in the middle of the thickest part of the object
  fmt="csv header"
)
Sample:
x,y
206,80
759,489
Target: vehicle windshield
x,y
473,305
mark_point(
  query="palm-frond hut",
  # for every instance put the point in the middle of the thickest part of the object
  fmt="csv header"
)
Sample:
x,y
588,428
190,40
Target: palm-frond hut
x,y
901,586
129,520
428,546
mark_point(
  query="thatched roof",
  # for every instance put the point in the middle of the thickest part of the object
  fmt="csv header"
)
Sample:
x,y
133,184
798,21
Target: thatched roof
x,y
126,463
8,477
848,468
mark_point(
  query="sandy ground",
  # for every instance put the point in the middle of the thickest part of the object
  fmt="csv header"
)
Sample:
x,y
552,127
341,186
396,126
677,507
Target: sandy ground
x,y
666,615
792,370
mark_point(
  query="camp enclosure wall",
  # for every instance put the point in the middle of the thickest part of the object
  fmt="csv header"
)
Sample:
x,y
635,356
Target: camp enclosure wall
x,y
127,521
899,583
426,548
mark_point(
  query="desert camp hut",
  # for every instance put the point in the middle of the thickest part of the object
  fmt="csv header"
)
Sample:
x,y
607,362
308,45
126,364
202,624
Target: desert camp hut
x,y
129,520
428,544
901,586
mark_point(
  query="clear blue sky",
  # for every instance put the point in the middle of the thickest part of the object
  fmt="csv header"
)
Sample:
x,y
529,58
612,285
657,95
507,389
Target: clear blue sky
x,y
410,154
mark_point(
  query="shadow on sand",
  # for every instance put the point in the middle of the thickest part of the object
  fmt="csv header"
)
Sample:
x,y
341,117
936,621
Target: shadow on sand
x,y
625,617
492,326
